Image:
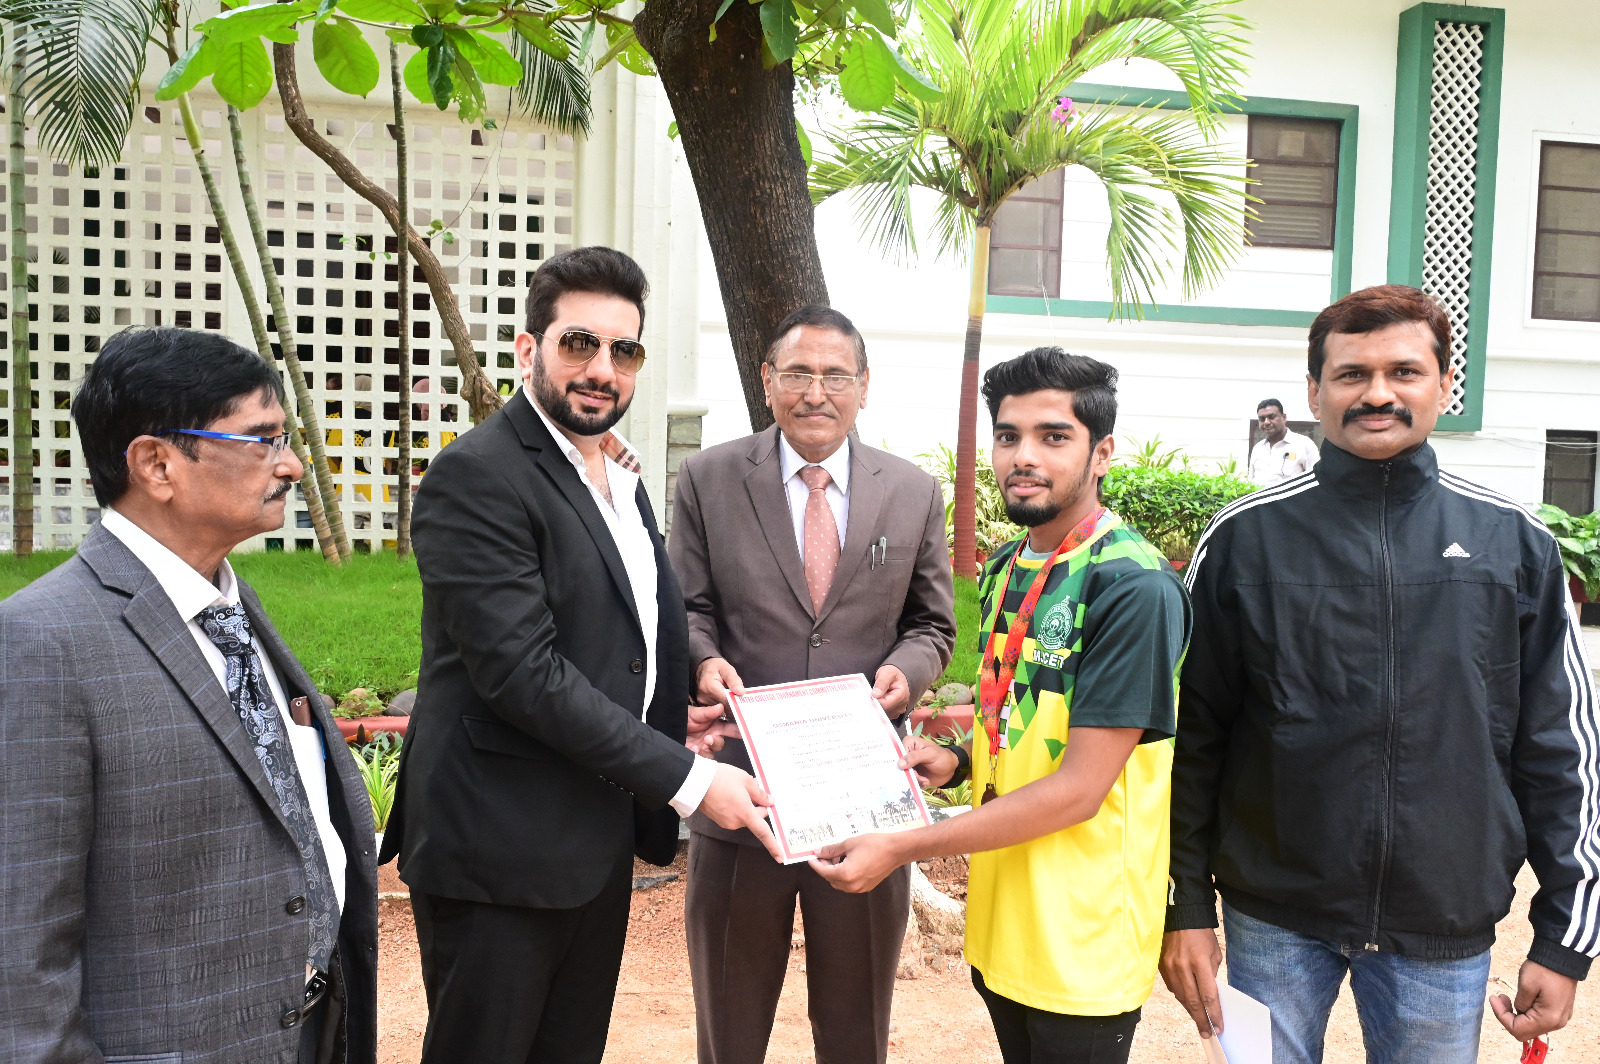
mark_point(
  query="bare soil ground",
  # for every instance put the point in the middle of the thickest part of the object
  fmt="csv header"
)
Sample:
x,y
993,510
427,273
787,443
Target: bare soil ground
x,y
937,1016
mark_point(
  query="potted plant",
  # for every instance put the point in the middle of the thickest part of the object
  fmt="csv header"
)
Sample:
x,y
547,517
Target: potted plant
x,y
1578,536
359,715
379,763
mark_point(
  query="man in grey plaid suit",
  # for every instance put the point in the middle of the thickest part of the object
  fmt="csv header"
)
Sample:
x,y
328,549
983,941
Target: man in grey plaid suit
x,y
186,845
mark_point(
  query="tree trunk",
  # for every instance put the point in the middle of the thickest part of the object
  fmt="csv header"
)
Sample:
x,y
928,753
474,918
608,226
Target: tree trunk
x,y
964,561
247,291
402,522
737,124
476,388
21,322
306,405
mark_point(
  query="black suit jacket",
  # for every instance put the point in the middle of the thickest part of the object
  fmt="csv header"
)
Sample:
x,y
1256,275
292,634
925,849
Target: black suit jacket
x,y
531,767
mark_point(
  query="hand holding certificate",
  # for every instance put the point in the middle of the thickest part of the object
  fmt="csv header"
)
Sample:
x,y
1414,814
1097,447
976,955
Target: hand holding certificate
x,y
828,756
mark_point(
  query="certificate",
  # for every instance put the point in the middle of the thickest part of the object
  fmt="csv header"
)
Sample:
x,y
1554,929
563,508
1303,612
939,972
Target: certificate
x,y
826,754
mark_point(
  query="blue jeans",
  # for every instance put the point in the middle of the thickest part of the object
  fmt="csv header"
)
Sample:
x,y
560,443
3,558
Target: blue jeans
x,y
1412,1011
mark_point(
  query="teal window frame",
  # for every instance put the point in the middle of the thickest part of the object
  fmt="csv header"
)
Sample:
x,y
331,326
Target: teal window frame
x,y
1409,196
1347,115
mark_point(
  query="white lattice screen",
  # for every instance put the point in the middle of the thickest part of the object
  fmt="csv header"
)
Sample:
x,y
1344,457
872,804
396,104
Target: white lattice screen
x,y
136,244
1452,185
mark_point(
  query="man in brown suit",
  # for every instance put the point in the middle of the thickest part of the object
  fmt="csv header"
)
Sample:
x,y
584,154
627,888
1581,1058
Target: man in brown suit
x,y
803,553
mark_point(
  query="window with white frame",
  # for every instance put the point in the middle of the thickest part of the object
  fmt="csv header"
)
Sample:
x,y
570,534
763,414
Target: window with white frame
x,y
1025,242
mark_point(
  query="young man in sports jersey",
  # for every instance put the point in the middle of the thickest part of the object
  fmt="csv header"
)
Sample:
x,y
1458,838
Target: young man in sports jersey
x,y
1380,725
1083,628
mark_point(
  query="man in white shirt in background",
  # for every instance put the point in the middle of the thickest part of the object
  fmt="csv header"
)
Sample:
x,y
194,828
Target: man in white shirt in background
x,y
1280,454
187,844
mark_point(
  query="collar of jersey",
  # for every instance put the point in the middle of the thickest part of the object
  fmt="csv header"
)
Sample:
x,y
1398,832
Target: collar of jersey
x,y
1107,522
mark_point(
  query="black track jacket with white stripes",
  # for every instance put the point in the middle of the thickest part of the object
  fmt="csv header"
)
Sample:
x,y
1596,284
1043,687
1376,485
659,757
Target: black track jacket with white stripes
x,y
1385,709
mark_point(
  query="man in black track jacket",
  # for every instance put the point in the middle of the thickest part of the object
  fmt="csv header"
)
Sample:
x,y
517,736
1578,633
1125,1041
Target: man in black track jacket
x,y
1385,710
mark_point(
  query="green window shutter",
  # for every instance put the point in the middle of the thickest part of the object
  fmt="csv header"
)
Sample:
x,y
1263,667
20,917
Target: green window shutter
x,y
1441,216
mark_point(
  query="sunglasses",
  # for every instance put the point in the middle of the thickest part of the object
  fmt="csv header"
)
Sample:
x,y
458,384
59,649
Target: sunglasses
x,y
575,347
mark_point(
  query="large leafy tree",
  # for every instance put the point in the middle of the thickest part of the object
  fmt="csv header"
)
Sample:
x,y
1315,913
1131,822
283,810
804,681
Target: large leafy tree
x,y
728,67
1001,122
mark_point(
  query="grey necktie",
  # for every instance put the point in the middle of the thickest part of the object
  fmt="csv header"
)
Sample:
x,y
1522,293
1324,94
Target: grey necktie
x,y
229,629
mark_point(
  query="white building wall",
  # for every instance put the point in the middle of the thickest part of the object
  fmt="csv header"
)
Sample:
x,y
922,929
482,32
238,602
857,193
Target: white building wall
x,y
511,196
1197,385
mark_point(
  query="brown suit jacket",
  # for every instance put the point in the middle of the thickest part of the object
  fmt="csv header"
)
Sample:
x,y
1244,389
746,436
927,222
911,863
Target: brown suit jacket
x,y
735,554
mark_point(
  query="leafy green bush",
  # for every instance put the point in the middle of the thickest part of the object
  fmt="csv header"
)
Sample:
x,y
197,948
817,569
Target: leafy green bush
x,y
994,528
1579,539
1170,507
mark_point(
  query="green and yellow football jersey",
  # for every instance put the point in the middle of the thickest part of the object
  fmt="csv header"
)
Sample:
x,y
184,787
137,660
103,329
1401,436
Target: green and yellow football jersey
x,y
1071,922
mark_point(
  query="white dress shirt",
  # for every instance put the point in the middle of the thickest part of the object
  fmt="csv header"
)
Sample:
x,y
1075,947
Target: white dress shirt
x,y
633,542
837,492
190,593
1273,463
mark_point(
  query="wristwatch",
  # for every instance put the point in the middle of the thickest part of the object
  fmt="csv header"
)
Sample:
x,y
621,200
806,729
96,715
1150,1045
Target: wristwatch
x,y
963,765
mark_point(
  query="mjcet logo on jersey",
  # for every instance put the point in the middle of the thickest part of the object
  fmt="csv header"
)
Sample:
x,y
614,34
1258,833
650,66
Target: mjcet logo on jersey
x,y
1056,628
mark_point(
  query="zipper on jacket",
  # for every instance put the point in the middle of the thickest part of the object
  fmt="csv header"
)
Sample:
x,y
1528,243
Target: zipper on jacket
x,y
1386,815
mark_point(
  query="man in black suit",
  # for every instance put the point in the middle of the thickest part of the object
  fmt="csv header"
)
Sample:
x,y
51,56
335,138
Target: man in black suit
x,y
550,742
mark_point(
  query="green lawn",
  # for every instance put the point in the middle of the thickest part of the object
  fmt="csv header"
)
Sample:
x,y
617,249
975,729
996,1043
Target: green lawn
x,y
351,626
357,625
964,664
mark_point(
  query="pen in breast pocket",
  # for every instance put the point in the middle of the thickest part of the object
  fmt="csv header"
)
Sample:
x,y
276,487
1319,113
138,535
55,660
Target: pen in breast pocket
x,y
880,551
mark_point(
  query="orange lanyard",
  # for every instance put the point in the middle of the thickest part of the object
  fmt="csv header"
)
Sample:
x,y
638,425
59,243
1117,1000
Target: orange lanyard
x,y
995,676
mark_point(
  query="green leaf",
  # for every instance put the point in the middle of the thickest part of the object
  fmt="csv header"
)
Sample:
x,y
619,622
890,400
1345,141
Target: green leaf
x,y
427,35
344,56
672,130
275,22
913,80
406,12
586,42
627,51
867,80
723,10
477,7
779,29
325,9
243,72
469,90
192,66
876,13
441,58
415,75
493,62
535,32
805,141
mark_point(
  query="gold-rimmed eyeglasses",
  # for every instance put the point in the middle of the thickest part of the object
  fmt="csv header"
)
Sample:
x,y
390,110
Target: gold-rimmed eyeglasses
x,y
832,383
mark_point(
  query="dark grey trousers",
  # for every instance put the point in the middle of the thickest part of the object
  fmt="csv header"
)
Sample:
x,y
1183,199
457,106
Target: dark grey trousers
x,y
739,916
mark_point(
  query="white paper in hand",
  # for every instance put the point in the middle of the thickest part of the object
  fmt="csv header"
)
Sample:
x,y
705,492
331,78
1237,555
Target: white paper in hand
x,y
1246,1028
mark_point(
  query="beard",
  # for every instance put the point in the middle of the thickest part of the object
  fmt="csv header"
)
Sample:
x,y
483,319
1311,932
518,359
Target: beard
x,y
1034,514
553,401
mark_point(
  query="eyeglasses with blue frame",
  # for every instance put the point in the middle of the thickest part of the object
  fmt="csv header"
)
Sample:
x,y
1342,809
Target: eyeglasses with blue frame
x,y
275,444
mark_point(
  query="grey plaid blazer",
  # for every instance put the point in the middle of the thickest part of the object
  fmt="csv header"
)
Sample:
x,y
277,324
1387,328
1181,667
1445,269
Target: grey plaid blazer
x,y
146,871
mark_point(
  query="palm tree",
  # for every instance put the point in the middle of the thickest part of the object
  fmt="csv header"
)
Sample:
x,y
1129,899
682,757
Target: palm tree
x,y
1002,122
402,234
21,347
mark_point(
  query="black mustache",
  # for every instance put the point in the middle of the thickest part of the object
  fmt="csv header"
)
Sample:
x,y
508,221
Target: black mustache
x,y
594,386
1387,408
1046,481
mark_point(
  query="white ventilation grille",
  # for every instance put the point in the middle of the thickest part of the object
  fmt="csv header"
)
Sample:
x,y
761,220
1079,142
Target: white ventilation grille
x,y
1452,186
136,244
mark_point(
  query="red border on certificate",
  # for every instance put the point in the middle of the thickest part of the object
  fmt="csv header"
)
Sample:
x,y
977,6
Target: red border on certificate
x,y
754,696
